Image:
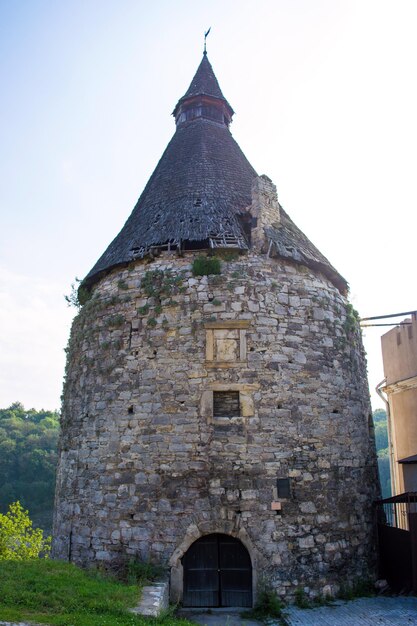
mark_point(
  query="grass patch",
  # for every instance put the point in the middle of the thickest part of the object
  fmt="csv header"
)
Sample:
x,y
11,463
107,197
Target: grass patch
x,y
61,594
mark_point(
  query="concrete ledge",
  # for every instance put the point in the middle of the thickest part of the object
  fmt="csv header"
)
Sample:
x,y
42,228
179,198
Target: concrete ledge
x,y
154,600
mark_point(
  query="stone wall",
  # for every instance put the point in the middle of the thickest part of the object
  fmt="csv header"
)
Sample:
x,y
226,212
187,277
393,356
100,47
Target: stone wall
x,y
146,468
264,208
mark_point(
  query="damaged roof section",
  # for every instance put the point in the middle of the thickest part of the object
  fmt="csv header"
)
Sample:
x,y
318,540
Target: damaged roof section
x,y
289,242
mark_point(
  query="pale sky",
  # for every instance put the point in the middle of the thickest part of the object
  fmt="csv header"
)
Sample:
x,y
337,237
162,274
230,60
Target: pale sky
x,y
326,105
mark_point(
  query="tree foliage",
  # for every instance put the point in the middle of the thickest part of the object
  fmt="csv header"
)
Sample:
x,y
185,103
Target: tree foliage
x,y
381,441
18,540
381,429
28,457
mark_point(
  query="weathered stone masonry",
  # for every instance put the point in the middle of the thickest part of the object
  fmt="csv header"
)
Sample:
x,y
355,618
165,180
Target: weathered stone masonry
x,y
150,469
224,404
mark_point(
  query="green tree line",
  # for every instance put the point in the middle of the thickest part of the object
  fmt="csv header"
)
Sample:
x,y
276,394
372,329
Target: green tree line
x,y
381,441
28,458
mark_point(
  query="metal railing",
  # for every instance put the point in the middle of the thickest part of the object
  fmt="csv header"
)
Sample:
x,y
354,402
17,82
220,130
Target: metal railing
x,y
396,511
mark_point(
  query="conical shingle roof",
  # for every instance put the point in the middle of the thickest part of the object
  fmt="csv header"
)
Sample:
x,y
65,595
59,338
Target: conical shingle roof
x,y
201,183
200,189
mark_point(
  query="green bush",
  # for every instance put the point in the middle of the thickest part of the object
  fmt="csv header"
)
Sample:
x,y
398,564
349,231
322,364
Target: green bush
x,y
300,599
359,588
18,540
267,604
204,265
143,572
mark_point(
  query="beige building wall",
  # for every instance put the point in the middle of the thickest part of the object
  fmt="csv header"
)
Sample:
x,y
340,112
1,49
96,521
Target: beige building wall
x,y
399,353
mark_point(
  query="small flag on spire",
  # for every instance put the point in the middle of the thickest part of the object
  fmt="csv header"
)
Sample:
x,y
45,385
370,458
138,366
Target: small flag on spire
x,y
205,37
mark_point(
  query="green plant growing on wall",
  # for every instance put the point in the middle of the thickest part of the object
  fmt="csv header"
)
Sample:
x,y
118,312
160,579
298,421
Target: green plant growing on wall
x,y
352,319
228,255
113,300
115,320
159,283
79,295
216,279
162,284
204,266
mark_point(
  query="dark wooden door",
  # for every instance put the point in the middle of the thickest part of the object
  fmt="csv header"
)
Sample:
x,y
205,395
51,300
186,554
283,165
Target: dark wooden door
x,y
217,572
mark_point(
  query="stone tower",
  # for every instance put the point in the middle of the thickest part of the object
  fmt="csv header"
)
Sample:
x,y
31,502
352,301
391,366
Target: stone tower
x,y
216,416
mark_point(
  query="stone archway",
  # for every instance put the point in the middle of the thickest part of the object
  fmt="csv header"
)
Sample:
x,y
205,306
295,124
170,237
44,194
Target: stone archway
x,y
193,535
217,572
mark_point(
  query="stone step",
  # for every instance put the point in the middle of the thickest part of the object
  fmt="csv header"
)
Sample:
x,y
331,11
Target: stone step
x,y
154,600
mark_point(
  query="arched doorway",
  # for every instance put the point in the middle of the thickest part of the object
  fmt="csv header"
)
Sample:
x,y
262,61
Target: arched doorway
x,y
217,572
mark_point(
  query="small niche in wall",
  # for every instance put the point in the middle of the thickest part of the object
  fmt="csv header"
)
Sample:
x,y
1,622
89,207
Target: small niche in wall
x,y
226,404
283,488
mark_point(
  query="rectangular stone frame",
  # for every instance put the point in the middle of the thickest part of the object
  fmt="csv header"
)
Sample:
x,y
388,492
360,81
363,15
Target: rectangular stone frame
x,y
247,407
211,327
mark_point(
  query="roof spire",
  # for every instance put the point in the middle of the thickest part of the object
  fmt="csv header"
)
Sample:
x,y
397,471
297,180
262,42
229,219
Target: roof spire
x,y
205,37
203,96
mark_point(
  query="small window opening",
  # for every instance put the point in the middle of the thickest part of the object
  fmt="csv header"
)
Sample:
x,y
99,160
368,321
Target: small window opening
x,y
398,339
410,331
226,404
283,488
197,202
130,410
